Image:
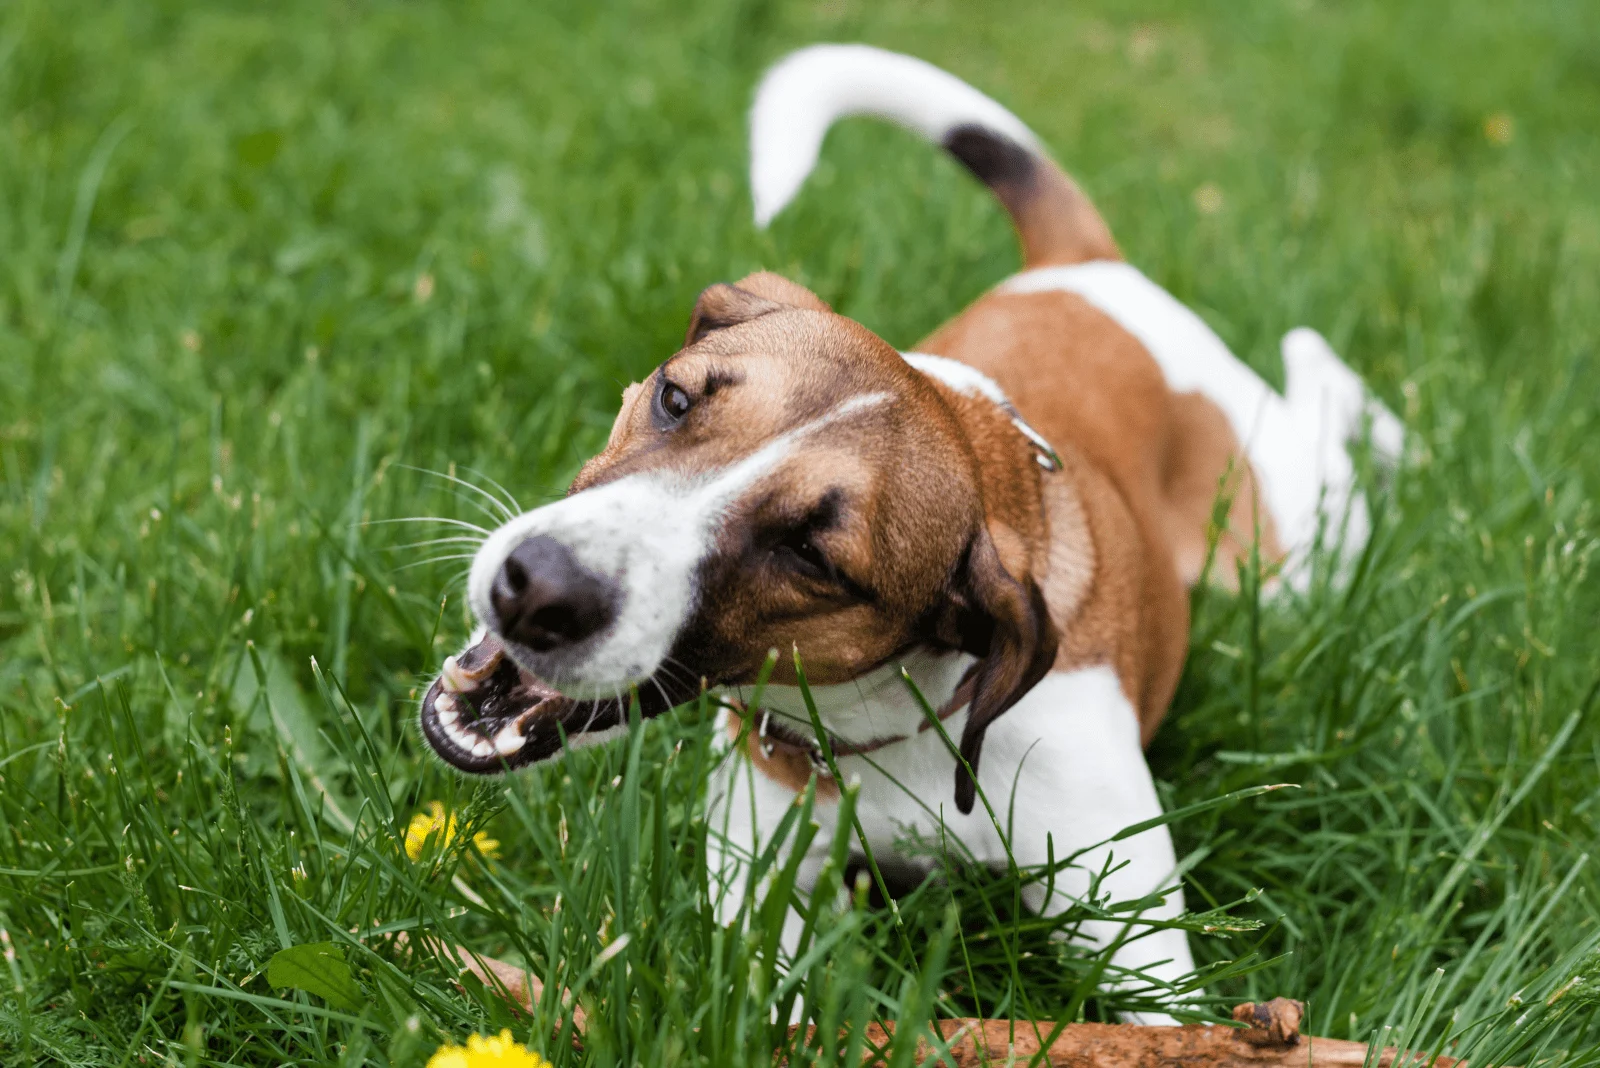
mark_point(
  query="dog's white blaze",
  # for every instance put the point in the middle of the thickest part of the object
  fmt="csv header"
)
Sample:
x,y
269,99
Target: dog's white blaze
x,y
810,90
648,534
1064,771
1296,444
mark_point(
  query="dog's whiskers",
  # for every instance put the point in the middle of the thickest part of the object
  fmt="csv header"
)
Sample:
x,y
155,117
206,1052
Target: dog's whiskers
x,y
454,539
666,698
430,561
688,674
462,573
501,512
445,520
510,498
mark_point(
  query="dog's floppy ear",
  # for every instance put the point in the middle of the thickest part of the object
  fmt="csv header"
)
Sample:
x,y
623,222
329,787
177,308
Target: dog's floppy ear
x,y
721,305
1004,621
777,287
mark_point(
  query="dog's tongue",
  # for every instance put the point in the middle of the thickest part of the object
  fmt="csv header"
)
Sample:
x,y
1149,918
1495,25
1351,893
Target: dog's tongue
x,y
478,713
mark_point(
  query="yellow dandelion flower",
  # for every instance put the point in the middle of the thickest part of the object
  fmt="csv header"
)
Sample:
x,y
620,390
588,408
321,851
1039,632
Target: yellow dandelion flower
x,y
487,1051
425,825
438,824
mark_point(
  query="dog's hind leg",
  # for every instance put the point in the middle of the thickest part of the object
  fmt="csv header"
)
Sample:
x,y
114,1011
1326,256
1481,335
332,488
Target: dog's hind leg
x,y
1331,409
1323,388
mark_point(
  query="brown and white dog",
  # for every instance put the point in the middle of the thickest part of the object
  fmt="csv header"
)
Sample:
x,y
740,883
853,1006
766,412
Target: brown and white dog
x,y
1012,515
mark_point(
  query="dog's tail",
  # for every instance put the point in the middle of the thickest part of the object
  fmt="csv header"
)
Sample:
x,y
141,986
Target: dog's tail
x,y
807,91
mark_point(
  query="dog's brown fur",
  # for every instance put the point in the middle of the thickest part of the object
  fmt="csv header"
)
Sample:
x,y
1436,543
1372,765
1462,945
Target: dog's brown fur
x,y
940,525
1144,463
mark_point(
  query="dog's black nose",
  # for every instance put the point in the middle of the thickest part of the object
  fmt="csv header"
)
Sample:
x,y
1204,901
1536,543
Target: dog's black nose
x,y
544,598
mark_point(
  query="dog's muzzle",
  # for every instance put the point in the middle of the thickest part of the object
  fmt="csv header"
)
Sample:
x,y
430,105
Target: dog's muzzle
x,y
583,603
485,713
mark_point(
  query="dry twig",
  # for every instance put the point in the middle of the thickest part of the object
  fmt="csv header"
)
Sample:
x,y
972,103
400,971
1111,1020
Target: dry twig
x,y
1272,1038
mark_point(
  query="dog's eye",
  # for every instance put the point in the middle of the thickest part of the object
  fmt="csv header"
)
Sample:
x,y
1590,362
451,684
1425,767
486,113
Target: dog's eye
x,y
803,551
674,401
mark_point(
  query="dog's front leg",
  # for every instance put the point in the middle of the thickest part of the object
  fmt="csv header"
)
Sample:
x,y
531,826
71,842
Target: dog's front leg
x,y
1065,768
744,808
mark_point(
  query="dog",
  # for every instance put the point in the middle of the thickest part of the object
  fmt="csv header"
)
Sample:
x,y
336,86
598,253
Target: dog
x,y
1011,517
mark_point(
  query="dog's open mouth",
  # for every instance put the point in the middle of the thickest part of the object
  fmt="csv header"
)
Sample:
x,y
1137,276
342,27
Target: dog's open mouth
x,y
484,714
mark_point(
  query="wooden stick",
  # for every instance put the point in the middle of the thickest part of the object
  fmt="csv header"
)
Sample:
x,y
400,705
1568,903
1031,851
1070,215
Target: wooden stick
x,y
515,985
982,1043
1271,1039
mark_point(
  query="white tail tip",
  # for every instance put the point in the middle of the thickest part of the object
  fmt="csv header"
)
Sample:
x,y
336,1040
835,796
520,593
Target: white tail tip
x,y
807,91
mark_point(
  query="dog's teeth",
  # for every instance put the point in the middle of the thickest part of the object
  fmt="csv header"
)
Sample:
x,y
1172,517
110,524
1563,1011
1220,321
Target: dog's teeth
x,y
509,740
457,679
450,676
766,717
446,709
460,737
483,747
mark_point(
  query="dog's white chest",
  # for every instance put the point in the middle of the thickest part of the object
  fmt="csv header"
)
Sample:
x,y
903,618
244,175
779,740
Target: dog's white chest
x,y
1062,771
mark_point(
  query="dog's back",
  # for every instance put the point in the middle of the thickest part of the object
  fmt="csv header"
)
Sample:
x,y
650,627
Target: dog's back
x,y
1098,358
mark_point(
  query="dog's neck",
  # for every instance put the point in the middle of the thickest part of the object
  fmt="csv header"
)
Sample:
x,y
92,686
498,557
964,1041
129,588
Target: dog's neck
x,y
1012,461
876,707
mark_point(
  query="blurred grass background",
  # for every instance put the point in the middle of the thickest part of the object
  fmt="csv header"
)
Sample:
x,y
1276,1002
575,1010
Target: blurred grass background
x,y
256,267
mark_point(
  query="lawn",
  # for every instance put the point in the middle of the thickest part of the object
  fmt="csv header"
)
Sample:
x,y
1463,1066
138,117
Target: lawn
x,y
270,282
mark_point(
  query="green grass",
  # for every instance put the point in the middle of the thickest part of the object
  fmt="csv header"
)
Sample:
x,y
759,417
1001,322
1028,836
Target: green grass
x,y
256,269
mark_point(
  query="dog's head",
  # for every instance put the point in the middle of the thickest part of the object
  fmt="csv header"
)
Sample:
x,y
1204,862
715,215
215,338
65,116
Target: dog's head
x,y
785,480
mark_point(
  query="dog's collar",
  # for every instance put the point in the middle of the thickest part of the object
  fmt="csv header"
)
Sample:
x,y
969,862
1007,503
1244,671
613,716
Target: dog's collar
x,y
774,735
1043,451
971,382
